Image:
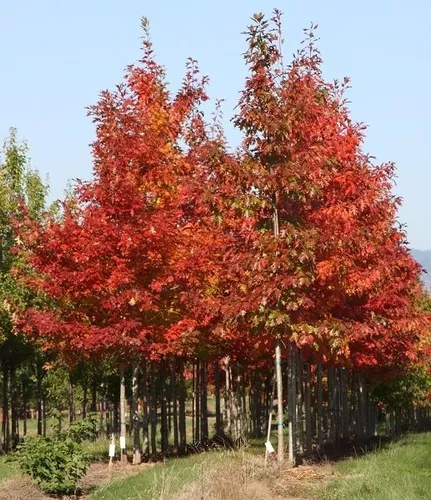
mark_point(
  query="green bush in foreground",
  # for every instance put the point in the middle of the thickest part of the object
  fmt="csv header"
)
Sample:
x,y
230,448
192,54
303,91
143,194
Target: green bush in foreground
x,y
56,463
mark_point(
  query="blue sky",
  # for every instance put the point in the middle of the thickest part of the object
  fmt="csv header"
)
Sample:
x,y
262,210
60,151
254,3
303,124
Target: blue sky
x,y
56,57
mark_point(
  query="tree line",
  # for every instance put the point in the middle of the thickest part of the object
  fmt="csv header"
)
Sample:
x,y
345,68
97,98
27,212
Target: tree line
x,y
274,277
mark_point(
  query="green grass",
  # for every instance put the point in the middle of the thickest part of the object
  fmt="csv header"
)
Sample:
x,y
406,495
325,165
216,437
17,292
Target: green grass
x,y
8,468
402,471
164,480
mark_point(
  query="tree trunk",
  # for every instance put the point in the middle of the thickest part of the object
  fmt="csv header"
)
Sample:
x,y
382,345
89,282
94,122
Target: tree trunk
x,y
25,406
193,402
123,415
145,421
300,404
331,406
280,413
175,402
319,388
153,415
94,395
84,399
292,403
218,425
308,416
134,416
163,415
43,414
14,408
168,390
182,411
344,403
115,418
204,403
197,403
361,406
228,396
40,405
270,409
71,400
5,408
238,405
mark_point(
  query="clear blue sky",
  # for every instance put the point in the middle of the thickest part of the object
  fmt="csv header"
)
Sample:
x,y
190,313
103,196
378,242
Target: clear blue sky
x,y
56,56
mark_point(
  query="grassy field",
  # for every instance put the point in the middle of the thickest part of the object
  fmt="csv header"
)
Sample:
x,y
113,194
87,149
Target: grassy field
x,y
209,476
401,471
8,468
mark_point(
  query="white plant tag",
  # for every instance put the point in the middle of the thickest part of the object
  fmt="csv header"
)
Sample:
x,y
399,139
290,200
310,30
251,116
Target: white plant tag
x,y
269,447
112,450
122,442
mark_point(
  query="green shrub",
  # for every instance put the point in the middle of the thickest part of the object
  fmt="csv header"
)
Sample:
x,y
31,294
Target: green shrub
x,y
55,463
80,430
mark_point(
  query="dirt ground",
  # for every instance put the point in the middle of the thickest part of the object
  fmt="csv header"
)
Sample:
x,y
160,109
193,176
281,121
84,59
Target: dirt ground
x,y
300,483
99,474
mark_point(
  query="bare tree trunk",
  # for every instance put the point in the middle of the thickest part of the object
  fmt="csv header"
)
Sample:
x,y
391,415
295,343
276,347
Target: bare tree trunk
x,y
319,384
84,398
331,410
40,399
336,398
163,414
300,404
14,408
134,416
93,406
218,426
43,414
238,405
71,400
182,411
123,415
175,401
253,402
291,403
5,408
197,403
25,407
270,409
344,403
153,412
168,392
362,406
228,396
193,401
204,403
308,416
280,413
145,419
245,411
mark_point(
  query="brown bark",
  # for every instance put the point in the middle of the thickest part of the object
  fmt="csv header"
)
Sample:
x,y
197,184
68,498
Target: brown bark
x,y
182,410
134,414
319,403
175,402
218,426
163,415
204,403
123,413
5,408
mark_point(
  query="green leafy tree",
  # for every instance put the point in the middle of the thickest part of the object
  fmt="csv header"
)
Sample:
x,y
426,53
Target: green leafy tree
x,y
20,185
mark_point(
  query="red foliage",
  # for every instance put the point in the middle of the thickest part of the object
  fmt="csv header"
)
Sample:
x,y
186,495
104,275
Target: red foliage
x,y
179,246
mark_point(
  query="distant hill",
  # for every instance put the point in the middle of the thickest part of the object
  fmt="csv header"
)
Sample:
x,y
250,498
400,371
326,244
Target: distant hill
x,y
424,259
